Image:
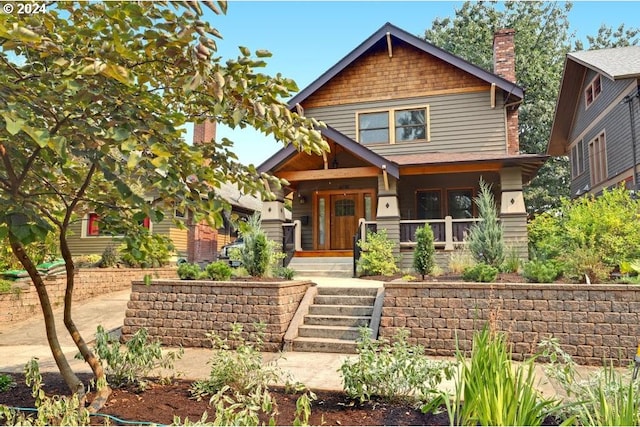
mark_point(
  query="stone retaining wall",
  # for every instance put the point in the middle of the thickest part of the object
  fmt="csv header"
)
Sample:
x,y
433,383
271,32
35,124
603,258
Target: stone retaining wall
x,y
591,322
181,313
22,302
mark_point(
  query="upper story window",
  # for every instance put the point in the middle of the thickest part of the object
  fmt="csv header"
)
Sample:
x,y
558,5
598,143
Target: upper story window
x,y
396,125
577,159
598,159
593,90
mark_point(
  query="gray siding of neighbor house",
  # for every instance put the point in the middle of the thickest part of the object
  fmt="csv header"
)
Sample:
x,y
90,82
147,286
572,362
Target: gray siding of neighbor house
x,y
616,126
459,123
308,188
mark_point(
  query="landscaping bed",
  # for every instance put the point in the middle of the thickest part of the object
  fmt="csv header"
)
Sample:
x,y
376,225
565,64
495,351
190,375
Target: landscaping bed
x,y
160,403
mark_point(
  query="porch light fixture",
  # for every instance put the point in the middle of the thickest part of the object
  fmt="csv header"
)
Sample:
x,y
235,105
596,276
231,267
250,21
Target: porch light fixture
x,y
301,199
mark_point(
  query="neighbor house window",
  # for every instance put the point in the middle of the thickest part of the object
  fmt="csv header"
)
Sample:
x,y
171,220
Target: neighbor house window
x,y
394,126
428,204
598,159
577,159
93,225
593,90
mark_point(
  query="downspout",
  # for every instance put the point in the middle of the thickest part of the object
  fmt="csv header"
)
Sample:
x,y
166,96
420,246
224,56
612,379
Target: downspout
x,y
633,138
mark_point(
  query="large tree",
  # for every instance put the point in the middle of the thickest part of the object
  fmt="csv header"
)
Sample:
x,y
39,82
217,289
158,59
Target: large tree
x,y
93,100
542,40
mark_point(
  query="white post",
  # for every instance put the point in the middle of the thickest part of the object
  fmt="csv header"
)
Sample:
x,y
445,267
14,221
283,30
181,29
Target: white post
x,y
297,236
448,233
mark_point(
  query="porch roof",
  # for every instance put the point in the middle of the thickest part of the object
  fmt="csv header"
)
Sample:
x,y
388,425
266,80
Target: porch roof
x,y
530,163
342,140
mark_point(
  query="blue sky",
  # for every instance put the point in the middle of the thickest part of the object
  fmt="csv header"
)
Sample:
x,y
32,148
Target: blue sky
x,y
308,37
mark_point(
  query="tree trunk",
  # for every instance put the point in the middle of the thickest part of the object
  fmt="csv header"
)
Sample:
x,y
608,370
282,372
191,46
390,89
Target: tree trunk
x,y
103,391
72,380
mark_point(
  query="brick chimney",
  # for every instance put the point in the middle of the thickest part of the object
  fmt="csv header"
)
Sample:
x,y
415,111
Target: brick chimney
x,y
504,65
204,132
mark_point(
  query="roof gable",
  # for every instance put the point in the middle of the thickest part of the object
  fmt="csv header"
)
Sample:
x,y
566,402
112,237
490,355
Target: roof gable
x,y
615,64
379,40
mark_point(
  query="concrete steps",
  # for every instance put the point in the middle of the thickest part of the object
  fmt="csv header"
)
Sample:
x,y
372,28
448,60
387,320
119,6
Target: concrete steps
x,y
322,266
334,318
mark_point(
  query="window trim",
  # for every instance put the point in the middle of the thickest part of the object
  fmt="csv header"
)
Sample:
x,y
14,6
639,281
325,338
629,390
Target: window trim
x,y
580,166
391,123
591,90
601,159
87,221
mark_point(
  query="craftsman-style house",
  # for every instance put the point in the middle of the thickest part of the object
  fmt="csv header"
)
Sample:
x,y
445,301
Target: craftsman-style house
x,y
412,129
597,119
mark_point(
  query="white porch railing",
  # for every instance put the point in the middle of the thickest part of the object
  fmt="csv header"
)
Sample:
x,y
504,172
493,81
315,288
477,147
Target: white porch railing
x,y
446,231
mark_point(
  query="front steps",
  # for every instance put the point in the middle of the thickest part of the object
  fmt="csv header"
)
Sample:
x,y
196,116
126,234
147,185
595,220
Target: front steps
x,y
332,323
322,266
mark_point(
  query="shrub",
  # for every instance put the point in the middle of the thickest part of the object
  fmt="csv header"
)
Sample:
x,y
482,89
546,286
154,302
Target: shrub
x,y
480,273
218,271
259,256
377,254
5,286
586,264
539,271
92,260
109,257
147,250
187,271
485,237
133,363
424,253
397,371
511,262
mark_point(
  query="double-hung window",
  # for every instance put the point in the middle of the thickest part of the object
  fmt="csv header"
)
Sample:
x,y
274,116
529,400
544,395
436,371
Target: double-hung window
x,y
592,91
93,225
577,159
598,159
394,126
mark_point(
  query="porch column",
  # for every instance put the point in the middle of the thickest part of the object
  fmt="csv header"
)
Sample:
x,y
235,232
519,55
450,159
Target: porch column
x,y
388,212
272,219
513,213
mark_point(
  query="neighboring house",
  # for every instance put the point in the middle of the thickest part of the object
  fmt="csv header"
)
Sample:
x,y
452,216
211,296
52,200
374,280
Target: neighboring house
x,y
597,119
412,129
196,242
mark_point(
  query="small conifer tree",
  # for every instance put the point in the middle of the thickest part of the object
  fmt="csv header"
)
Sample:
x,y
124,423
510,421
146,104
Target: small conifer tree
x,y
424,253
486,240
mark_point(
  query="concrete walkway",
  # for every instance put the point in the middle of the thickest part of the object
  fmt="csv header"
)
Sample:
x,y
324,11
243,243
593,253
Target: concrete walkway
x,y
20,341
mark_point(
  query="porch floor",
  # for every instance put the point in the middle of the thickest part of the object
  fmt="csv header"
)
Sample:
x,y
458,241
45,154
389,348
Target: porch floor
x,y
324,253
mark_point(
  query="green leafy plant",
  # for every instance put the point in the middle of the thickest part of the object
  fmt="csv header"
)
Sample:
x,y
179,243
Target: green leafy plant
x,y
146,250
539,271
51,410
285,273
424,253
397,371
480,273
512,261
303,408
87,261
5,286
6,382
585,264
490,391
607,397
241,369
377,254
259,256
189,271
485,238
133,363
408,278
218,271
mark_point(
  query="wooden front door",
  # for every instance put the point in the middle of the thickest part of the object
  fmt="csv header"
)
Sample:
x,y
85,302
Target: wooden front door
x,y
344,220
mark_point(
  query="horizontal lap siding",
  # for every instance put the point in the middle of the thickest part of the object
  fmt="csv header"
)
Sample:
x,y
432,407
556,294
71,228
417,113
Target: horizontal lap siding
x,y
459,122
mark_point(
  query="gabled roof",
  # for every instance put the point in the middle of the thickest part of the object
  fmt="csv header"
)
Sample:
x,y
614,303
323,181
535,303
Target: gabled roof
x,y
615,64
342,140
379,37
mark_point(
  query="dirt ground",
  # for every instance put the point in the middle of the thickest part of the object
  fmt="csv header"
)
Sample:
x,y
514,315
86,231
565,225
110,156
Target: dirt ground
x,y
161,403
